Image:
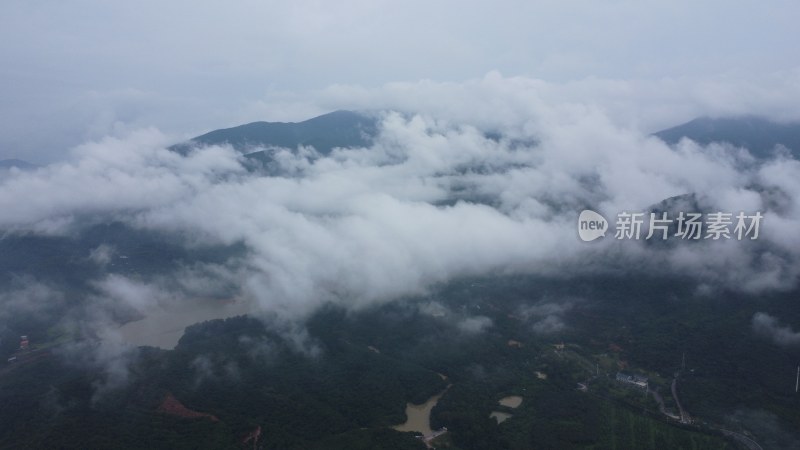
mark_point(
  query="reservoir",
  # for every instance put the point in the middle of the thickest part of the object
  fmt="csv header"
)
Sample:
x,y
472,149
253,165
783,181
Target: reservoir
x,y
512,401
418,417
163,328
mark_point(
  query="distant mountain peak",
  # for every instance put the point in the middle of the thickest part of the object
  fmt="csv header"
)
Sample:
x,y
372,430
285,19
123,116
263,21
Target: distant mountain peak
x,y
758,134
18,163
339,128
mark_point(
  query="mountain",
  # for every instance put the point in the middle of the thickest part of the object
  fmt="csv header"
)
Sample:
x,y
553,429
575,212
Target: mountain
x,y
347,378
18,163
757,134
324,133
353,129
228,380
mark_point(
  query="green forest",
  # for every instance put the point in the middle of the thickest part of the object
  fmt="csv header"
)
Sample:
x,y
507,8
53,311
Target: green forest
x,y
342,380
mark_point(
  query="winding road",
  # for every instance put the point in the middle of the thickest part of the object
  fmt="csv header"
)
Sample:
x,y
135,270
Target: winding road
x,y
684,415
746,441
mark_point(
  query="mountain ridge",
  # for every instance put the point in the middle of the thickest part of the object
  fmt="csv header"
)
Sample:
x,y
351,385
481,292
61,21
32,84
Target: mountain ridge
x,y
339,128
758,134
18,163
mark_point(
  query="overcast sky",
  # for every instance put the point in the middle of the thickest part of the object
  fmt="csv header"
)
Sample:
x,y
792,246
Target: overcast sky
x,y
80,70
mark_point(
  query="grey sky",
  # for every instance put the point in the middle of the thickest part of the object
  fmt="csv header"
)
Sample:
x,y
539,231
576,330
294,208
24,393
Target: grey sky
x,y
79,70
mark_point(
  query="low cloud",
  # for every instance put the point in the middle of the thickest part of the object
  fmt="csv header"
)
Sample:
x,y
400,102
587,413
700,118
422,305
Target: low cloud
x,y
125,291
102,254
25,296
770,327
549,325
106,354
547,317
475,324
452,187
207,369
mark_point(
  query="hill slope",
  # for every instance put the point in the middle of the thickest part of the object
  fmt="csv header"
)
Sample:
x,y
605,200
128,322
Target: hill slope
x,y
324,133
757,134
18,163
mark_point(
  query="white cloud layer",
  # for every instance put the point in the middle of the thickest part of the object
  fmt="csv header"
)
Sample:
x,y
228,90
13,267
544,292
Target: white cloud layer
x,y
79,71
372,224
770,327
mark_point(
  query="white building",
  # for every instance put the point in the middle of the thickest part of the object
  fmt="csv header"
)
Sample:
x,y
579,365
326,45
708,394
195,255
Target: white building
x,y
633,380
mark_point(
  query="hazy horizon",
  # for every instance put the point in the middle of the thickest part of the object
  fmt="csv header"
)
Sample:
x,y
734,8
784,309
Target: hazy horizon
x,y
76,73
